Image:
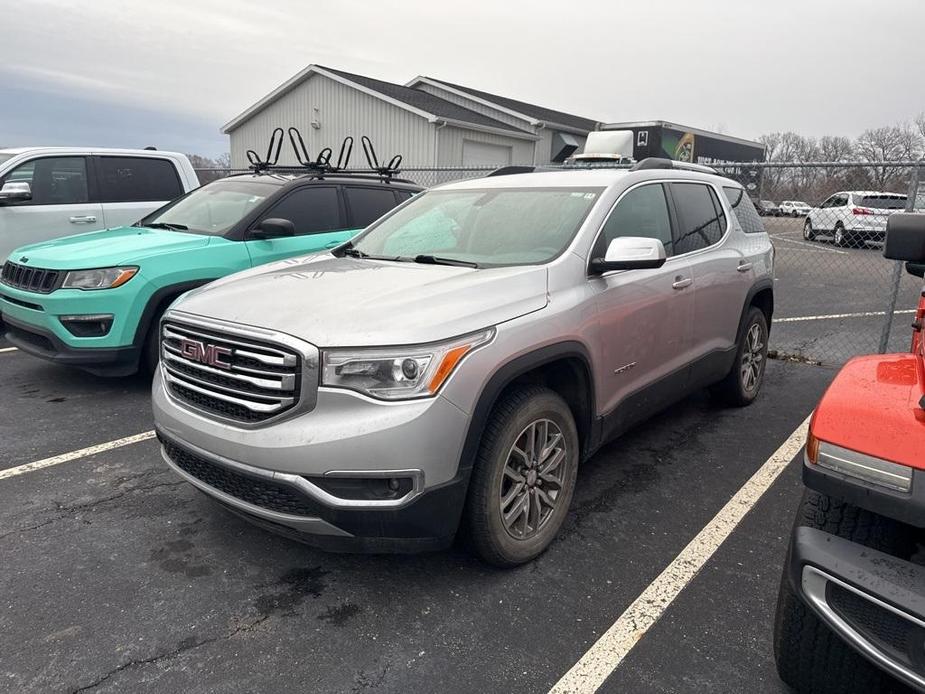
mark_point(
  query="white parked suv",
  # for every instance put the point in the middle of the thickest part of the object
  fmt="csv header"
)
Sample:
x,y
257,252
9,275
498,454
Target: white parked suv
x,y
49,192
852,218
793,208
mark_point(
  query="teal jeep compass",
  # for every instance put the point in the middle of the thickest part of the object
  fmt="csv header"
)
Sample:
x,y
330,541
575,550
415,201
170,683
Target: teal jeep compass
x,y
94,300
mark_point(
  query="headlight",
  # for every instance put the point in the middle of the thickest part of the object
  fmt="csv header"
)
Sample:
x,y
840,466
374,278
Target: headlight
x,y
104,278
860,466
398,373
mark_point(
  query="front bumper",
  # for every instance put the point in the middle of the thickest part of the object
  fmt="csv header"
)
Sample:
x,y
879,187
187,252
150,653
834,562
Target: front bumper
x,y
874,601
274,475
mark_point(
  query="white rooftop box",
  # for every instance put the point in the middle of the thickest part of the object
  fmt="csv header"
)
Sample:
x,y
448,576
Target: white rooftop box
x,y
607,145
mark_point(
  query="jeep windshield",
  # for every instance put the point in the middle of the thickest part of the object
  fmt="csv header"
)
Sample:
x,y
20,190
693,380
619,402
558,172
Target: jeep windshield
x,y
491,227
211,209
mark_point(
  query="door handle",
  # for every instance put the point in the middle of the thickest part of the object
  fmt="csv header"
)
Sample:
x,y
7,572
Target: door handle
x,y
744,266
85,219
681,282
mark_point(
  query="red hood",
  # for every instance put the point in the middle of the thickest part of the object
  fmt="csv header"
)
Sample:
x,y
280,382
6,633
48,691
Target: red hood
x,y
874,406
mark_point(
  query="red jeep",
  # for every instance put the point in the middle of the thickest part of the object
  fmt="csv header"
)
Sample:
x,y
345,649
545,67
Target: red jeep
x,y
851,607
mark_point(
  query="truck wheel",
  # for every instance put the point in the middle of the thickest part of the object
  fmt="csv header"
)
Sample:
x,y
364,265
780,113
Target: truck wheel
x,y
742,384
523,478
809,656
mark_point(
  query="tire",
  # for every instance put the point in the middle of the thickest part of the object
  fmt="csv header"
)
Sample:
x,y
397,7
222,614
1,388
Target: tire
x,y
151,349
808,232
529,531
839,237
808,655
738,388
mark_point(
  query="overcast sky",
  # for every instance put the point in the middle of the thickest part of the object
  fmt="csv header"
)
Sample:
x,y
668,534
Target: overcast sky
x,y
171,72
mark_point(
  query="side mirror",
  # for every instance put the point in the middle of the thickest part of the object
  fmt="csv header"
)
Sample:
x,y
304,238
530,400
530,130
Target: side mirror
x,y
15,191
916,269
273,228
631,253
905,237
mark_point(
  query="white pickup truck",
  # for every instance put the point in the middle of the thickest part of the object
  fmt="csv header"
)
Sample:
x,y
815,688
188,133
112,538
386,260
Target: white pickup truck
x,y
48,192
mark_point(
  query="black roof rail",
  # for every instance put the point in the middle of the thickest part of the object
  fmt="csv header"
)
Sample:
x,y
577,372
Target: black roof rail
x,y
663,163
510,170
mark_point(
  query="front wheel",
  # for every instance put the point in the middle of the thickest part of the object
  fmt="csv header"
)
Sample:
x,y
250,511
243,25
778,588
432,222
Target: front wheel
x,y
524,477
742,384
808,232
151,349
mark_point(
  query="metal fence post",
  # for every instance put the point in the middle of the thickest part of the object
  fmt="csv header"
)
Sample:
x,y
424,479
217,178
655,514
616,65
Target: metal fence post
x,y
898,267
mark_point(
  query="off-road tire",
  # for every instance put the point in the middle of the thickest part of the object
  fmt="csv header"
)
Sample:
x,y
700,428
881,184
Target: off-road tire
x,y
809,656
731,390
483,528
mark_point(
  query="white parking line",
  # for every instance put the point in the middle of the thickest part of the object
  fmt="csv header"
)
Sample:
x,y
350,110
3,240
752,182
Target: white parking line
x,y
830,316
9,349
75,455
608,652
810,246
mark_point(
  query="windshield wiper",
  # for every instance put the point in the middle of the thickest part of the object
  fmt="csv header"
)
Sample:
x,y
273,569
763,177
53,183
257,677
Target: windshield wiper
x,y
437,260
164,225
354,252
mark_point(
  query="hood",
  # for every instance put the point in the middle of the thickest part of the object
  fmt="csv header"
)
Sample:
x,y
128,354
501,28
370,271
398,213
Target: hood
x,y
106,248
351,302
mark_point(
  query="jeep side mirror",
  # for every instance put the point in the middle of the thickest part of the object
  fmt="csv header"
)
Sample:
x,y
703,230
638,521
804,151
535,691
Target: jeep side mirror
x,y
273,228
916,269
631,253
905,237
15,191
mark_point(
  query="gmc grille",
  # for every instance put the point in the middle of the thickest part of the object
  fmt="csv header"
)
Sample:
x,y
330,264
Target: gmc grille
x,y
31,279
232,377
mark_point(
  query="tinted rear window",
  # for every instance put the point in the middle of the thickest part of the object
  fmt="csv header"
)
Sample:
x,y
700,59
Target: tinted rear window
x,y
883,202
744,210
137,179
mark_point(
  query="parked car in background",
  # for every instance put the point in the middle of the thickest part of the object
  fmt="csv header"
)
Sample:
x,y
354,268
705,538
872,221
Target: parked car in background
x,y
443,369
767,208
851,607
853,218
94,300
793,208
49,192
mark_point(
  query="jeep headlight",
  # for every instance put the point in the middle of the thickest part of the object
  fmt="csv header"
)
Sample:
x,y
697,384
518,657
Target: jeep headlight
x,y
398,373
103,278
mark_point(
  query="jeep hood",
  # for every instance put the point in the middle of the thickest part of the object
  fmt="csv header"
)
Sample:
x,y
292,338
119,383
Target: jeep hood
x,y
106,248
352,302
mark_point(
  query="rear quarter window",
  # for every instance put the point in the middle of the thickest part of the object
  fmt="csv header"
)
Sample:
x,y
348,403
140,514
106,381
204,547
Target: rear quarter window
x,y
744,210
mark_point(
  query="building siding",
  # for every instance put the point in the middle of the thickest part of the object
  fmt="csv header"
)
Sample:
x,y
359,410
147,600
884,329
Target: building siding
x,y
342,111
451,145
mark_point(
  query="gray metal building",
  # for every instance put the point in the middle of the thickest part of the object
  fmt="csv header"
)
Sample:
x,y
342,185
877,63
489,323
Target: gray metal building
x,y
429,122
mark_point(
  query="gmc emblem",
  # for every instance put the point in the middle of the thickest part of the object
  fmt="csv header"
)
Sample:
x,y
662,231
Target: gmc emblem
x,y
210,355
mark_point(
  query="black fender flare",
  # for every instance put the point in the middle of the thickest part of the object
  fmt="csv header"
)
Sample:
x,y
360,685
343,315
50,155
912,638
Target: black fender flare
x,y
155,301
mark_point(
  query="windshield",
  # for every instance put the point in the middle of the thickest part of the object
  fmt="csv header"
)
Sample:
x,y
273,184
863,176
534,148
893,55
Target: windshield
x,y
884,202
212,209
488,227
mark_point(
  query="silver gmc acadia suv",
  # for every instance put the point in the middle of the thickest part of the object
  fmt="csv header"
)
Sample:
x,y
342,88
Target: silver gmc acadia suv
x,y
450,367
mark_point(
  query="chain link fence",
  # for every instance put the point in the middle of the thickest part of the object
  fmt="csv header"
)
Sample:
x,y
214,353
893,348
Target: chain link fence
x,y
836,296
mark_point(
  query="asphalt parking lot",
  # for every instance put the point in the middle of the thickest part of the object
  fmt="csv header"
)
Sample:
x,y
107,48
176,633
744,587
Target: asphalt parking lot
x,y
830,302
117,576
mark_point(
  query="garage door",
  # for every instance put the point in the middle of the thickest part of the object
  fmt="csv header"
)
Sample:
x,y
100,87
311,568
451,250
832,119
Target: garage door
x,y
483,154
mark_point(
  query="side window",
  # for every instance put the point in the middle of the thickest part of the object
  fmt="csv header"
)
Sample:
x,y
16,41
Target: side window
x,y
312,209
701,222
641,212
366,205
841,201
137,179
54,180
744,210
402,195
827,203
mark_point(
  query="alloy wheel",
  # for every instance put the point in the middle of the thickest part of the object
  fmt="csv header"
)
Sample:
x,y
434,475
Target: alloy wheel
x,y
752,358
533,478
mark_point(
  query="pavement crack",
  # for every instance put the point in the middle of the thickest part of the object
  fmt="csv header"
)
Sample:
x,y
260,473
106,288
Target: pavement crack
x,y
184,646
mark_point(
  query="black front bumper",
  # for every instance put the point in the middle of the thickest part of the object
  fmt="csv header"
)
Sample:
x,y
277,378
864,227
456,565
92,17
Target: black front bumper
x,y
44,344
873,601
428,522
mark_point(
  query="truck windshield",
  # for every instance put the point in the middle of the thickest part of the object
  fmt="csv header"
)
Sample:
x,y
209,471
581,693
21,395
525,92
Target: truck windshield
x,y
487,227
212,209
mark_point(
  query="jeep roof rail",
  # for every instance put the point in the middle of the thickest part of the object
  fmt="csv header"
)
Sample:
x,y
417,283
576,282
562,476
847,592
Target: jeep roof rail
x,y
662,163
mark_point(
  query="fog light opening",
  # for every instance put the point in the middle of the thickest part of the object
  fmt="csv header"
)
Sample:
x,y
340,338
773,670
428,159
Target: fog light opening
x,y
89,325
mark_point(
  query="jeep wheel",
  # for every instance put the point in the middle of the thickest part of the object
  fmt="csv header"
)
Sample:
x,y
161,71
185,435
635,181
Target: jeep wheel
x,y
809,656
808,232
151,349
524,477
742,384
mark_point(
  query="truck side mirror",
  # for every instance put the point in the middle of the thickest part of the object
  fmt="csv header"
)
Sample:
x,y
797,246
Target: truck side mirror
x,y
15,191
905,237
630,253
